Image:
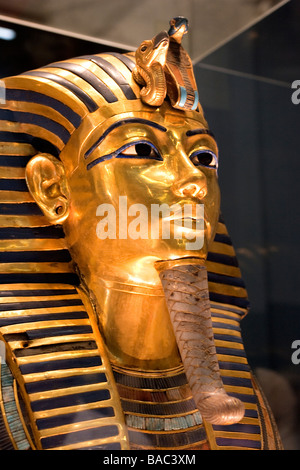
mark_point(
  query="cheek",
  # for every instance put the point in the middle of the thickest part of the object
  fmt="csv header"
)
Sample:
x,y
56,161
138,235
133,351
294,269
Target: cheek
x,y
212,199
212,203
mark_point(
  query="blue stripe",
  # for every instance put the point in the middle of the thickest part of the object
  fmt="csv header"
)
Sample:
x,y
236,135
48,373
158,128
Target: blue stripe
x,y
89,77
224,259
196,101
231,352
48,278
14,161
45,317
183,96
247,428
39,304
241,302
221,219
59,331
70,400
233,366
56,256
50,231
18,137
38,120
61,364
231,309
224,325
237,381
223,279
13,185
244,397
30,96
115,75
37,292
24,208
84,97
65,382
36,142
130,64
221,238
251,414
232,338
222,441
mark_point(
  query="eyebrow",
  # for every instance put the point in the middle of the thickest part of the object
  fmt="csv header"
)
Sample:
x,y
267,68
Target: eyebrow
x,y
121,123
199,131
118,155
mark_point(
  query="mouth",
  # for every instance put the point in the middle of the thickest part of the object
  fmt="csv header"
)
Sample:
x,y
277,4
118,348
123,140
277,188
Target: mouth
x,y
194,220
190,223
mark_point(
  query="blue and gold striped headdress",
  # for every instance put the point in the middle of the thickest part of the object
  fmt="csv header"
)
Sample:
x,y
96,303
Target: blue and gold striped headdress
x,y
70,394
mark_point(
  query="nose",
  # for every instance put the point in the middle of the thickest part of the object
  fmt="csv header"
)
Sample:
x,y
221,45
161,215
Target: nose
x,y
196,188
190,181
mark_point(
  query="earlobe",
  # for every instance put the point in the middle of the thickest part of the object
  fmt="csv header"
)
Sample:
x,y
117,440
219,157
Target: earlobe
x,y
46,180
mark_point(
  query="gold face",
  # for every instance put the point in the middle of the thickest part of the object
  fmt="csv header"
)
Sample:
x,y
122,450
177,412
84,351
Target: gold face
x,y
126,166
124,160
136,191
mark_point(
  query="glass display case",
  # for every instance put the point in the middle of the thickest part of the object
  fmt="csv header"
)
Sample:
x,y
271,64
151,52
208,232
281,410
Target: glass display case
x,y
248,78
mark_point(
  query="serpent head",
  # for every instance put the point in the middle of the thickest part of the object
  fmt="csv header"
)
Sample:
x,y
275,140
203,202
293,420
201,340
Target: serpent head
x,y
178,27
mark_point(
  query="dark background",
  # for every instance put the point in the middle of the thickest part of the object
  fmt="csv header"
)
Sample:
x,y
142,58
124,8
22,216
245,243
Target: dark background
x,y
245,90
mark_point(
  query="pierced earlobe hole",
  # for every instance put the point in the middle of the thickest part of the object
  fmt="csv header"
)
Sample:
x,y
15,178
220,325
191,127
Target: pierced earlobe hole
x,y
59,210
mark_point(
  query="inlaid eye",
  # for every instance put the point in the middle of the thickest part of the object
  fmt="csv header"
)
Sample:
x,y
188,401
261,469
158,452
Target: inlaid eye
x,y
205,158
140,150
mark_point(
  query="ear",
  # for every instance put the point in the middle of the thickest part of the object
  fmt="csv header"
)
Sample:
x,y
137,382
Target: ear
x,y
46,180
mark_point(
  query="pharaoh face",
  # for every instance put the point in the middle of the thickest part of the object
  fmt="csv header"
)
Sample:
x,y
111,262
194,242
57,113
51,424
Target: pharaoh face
x,y
127,169
132,156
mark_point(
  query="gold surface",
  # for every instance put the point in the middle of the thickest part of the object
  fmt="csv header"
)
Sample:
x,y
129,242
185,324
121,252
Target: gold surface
x,y
119,278
131,262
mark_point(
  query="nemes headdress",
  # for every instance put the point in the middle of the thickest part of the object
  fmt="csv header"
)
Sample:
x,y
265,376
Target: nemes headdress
x,y
58,369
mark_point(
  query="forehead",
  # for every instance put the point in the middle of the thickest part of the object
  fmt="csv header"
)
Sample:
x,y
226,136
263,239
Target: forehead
x,y
133,119
158,120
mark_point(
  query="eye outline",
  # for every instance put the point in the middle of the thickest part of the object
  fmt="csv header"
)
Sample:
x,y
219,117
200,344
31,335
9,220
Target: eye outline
x,y
118,153
205,150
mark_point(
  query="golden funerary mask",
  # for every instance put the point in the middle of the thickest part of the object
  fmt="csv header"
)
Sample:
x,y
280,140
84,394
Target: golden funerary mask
x,y
121,157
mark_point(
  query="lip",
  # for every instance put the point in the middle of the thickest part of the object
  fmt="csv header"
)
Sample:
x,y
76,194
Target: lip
x,y
196,225
179,215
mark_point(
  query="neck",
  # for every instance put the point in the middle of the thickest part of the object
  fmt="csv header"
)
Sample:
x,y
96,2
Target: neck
x,y
135,324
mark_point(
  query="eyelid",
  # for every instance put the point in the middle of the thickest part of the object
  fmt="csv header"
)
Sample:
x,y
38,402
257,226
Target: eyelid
x,y
116,153
206,150
136,142
204,141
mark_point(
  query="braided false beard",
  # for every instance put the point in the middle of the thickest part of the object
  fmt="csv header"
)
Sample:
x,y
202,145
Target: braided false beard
x,y
187,298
